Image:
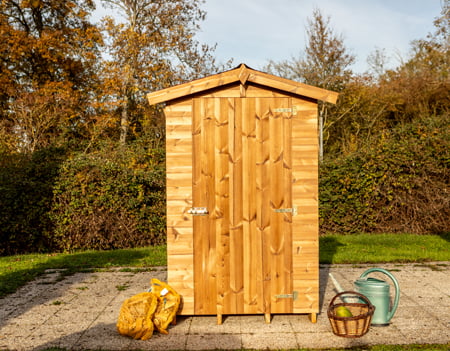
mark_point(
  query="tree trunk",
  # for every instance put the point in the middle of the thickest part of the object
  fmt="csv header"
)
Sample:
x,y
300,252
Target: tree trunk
x,y
124,122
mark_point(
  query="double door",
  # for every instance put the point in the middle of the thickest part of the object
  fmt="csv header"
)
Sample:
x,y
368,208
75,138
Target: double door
x,y
242,205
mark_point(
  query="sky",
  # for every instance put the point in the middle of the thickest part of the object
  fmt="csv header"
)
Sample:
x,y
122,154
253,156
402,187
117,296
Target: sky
x,y
256,31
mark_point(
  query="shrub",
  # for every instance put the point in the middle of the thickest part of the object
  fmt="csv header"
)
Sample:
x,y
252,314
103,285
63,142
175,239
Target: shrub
x,y
399,184
112,198
26,183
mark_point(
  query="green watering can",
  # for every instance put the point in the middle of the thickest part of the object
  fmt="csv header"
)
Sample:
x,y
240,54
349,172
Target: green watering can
x,y
377,291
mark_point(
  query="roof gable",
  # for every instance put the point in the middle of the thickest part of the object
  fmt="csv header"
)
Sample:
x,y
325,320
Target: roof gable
x,y
244,75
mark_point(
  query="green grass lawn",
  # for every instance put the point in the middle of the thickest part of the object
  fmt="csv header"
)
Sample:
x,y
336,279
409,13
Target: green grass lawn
x,y
15,271
379,248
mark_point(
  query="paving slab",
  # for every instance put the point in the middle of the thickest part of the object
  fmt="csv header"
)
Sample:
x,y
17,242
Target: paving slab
x,y
79,312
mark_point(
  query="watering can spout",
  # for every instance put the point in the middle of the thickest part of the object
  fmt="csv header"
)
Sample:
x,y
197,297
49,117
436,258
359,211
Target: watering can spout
x,y
339,288
336,283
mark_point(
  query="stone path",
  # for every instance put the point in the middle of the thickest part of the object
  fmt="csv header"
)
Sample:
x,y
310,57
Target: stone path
x,y
79,312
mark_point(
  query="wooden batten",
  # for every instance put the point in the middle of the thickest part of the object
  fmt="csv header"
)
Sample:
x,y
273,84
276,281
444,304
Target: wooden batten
x,y
242,193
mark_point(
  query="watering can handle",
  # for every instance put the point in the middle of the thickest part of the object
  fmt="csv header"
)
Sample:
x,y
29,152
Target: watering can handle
x,y
396,285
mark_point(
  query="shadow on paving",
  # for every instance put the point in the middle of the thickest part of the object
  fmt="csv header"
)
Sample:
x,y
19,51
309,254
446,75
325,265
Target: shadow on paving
x,y
329,247
104,336
46,287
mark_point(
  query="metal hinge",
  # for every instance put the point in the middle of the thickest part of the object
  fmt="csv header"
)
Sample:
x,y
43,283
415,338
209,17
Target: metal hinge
x,y
292,110
292,296
292,210
198,211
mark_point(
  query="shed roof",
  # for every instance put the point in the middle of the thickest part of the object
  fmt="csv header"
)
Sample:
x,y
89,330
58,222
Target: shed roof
x,y
244,75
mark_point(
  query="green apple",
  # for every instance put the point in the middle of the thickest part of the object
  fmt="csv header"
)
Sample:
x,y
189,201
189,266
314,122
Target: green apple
x,y
343,311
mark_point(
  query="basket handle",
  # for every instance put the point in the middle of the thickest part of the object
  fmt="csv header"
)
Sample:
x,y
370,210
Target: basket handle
x,y
361,296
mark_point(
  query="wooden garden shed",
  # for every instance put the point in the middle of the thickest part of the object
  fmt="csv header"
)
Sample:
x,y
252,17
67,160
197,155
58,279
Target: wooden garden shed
x,y
242,193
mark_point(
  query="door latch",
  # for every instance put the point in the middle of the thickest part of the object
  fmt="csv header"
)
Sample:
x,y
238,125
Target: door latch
x,y
292,110
292,296
198,211
292,210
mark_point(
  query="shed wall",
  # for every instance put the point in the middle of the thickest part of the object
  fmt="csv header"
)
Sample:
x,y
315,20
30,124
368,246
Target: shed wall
x,y
180,254
179,156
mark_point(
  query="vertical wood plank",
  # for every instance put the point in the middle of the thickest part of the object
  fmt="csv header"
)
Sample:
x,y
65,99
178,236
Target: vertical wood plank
x,y
275,202
236,220
288,200
262,196
204,196
252,241
224,113
197,185
209,230
280,277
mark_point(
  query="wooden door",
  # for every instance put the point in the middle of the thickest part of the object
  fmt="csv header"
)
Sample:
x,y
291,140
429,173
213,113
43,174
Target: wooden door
x,y
242,178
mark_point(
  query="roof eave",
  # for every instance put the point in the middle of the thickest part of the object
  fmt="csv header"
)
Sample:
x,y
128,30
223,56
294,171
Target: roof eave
x,y
242,74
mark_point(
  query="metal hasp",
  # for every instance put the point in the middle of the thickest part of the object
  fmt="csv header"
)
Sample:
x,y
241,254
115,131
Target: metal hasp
x,y
198,211
292,210
292,110
292,296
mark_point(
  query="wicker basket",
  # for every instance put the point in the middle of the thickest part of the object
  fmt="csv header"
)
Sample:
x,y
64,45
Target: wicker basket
x,y
351,327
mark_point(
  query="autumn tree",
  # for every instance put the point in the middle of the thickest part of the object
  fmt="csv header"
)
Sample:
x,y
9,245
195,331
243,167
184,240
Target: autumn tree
x,y
422,83
377,61
325,63
153,47
48,56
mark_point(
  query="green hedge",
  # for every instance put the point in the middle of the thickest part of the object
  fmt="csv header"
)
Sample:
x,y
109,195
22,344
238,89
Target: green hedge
x,y
26,192
114,197
54,200
399,183
109,199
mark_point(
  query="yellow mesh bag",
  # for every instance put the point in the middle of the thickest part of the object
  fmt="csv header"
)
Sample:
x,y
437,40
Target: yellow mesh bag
x,y
168,303
135,317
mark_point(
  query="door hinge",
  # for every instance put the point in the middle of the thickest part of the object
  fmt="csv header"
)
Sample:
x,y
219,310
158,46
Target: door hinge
x,y
292,210
292,110
198,211
292,296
